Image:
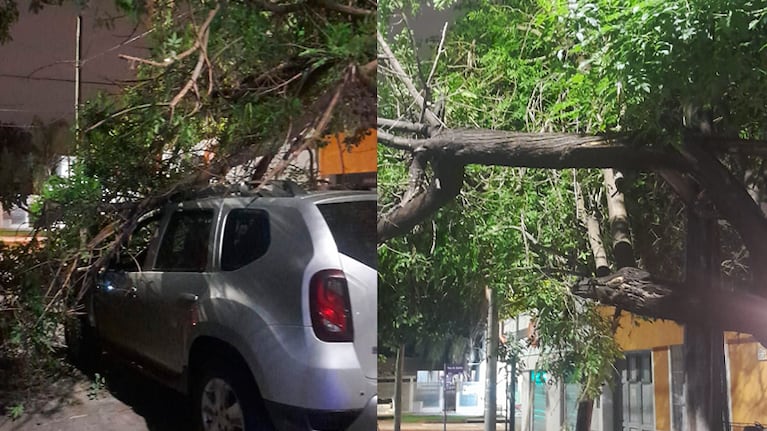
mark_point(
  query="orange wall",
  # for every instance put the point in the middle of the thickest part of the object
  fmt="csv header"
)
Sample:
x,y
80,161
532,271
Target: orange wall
x,y
334,158
637,334
748,380
660,371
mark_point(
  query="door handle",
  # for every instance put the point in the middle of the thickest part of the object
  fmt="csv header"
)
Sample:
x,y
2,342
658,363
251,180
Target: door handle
x,y
188,297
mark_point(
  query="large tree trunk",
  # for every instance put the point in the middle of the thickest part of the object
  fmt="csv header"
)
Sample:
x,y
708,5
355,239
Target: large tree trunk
x,y
491,379
703,346
398,370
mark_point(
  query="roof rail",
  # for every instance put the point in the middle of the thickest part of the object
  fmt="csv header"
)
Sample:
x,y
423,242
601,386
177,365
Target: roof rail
x,y
282,188
273,188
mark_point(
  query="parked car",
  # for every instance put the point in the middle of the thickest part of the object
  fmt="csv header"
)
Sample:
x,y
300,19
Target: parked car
x,y
261,308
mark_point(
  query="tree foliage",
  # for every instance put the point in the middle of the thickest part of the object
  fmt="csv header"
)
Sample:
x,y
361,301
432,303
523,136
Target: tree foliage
x,y
226,85
648,72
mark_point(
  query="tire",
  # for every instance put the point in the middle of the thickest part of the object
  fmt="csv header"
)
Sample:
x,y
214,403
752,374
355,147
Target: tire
x,y
83,348
226,399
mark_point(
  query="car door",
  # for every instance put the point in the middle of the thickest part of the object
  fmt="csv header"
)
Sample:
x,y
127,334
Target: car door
x,y
168,293
115,300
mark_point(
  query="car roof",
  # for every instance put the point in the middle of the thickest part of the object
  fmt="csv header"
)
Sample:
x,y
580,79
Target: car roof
x,y
319,197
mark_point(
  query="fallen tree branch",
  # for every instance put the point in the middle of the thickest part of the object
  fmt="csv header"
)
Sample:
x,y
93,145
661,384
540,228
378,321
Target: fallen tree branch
x,y
197,43
416,176
397,142
399,71
285,7
536,150
404,126
637,291
446,184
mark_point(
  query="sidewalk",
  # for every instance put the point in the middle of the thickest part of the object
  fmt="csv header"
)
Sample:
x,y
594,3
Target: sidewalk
x,y
129,402
78,413
388,425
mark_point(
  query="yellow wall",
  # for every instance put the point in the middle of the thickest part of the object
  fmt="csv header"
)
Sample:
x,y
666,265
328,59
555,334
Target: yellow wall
x,y
748,380
748,375
334,158
637,334
661,385
13,237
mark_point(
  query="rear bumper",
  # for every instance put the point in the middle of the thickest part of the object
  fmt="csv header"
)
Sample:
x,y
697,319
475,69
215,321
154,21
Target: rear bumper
x,y
294,368
289,418
368,419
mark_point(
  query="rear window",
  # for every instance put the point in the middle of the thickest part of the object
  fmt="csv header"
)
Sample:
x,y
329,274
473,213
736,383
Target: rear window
x,y
353,225
246,238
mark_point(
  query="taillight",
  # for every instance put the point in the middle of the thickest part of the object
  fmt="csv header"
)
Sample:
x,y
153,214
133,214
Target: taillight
x,y
329,306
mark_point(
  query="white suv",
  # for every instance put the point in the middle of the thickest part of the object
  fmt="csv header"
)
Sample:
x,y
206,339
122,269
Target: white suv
x,y
263,309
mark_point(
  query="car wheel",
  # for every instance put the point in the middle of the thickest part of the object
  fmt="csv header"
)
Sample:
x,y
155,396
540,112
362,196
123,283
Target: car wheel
x,y
227,400
82,343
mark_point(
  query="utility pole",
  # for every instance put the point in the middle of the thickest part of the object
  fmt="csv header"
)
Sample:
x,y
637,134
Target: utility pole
x,y
78,65
491,379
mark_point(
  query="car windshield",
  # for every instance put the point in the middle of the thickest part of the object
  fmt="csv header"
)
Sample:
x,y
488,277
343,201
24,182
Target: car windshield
x,y
353,225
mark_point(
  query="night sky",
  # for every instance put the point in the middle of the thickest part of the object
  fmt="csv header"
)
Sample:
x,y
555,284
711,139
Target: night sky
x,y
37,66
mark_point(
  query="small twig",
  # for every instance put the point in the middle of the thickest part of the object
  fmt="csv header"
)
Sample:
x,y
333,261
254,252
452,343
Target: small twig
x,y
123,112
419,69
281,85
191,82
144,60
436,58
278,8
308,140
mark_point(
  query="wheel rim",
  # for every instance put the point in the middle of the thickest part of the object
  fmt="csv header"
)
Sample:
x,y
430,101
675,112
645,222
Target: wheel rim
x,y
221,409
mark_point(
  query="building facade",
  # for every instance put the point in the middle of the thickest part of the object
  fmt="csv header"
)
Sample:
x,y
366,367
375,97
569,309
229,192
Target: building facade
x,y
647,393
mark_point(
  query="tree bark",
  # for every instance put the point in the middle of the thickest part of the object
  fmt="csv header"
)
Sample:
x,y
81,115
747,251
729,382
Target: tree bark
x,y
703,346
398,370
733,202
536,150
441,190
491,379
583,418
635,290
590,222
623,250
